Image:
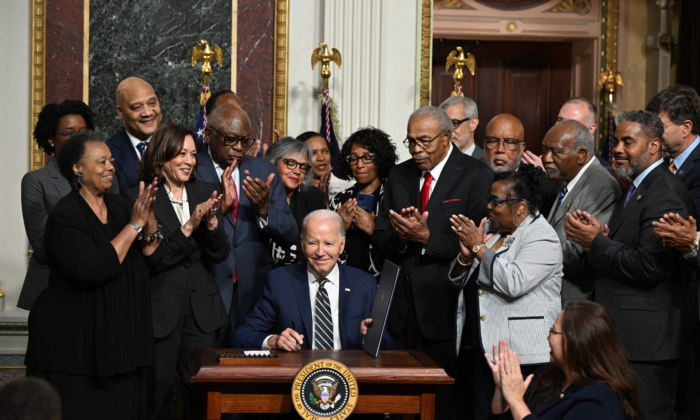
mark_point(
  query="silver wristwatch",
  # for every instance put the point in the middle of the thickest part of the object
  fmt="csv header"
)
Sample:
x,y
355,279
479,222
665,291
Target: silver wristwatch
x,y
135,226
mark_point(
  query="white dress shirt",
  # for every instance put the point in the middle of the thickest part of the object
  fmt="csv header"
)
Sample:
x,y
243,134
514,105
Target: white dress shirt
x,y
135,141
181,207
333,289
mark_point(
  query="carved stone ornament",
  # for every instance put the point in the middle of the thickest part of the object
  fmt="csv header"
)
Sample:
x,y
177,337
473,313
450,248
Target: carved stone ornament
x,y
451,4
582,7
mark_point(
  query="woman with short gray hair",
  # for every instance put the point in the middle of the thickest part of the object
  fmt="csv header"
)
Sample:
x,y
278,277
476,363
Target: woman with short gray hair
x,y
291,157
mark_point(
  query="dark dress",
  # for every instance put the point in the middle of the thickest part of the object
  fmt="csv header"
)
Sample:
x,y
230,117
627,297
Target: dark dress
x,y
301,203
358,245
90,331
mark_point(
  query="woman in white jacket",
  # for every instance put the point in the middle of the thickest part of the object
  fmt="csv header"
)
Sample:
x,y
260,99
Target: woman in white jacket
x,y
510,272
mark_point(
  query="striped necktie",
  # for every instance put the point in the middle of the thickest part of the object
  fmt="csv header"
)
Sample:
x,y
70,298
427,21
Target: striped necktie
x,y
562,194
142,147
323,321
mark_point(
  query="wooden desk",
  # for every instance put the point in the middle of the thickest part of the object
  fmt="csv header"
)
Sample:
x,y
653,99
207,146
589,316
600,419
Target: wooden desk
x,y
397,382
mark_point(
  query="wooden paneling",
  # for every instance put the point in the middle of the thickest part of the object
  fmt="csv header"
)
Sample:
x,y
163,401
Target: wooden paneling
x,y
530,80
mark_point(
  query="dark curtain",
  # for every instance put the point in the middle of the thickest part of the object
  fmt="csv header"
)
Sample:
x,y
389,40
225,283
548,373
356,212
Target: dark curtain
x,y
689,45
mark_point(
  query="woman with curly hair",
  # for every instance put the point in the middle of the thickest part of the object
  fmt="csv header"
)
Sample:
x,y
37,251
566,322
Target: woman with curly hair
x,y
44,187
367,157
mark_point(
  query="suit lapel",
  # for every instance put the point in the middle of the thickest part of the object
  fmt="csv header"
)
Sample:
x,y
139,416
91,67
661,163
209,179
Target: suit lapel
x,y
573,194
62,187
343,304
688,165
448,176
127,157
636,198
164,211
301,290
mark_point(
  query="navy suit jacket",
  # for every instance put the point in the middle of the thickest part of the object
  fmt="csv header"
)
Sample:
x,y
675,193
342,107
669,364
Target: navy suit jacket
x,y
126,160
597,401
249,243
286,298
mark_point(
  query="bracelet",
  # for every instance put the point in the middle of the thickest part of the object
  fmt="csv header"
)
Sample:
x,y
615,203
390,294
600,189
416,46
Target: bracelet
x,y
150,237
464,264
135,226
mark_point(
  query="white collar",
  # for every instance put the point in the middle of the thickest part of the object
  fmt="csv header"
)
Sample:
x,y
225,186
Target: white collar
x,y
333,276
571,184
437,170
135,141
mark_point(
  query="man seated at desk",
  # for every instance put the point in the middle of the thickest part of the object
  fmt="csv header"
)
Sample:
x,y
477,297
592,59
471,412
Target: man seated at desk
x,y
318,304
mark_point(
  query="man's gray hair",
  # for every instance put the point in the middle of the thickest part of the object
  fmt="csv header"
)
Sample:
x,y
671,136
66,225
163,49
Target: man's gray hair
x,y
583,138
289,147
468,105
435,114
322,216
219,117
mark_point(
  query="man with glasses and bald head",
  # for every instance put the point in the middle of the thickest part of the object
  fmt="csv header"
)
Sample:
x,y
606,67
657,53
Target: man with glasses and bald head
x,y
413,229
254,206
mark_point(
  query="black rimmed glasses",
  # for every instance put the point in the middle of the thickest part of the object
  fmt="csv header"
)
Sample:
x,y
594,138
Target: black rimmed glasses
x,y
508,143
494,201
234,140
292,164
366,159
424,144
457,123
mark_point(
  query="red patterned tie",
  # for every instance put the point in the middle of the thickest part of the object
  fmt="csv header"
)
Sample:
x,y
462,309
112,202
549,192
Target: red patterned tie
x,y
425,191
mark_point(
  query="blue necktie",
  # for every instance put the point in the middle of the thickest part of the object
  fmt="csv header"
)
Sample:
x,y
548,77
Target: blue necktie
x,y
142,147
562,194
630,192
323,320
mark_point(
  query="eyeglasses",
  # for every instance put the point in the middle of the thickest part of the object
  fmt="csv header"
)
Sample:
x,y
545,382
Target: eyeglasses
x,y
424,144
551,331
366,159
508,144
69,133
292,164
494,201
234,140
457,123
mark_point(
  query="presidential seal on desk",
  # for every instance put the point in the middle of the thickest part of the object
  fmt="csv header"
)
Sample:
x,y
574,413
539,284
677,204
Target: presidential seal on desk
x,y
324,389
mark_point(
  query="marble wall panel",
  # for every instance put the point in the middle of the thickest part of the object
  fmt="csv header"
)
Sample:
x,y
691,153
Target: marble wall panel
x,y
153,39
64,50
255,63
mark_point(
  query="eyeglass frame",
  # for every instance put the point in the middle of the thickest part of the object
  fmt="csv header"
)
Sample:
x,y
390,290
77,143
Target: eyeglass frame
x,y
352,160
71,133
303,167
457,123
423,144
236,139
506,145
495,201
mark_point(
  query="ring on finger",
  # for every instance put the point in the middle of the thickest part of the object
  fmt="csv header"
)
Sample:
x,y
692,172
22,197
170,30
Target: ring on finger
x,y
143,203
347,213
507,372
255,194
459,229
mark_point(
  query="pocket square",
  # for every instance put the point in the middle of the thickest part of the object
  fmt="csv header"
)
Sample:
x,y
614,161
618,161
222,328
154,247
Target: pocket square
x,y
452,200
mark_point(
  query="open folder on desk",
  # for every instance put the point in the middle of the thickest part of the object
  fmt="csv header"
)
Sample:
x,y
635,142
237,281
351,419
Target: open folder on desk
x,y
380,310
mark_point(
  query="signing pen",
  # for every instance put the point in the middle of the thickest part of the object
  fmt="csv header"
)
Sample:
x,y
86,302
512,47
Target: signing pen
x,y
294,327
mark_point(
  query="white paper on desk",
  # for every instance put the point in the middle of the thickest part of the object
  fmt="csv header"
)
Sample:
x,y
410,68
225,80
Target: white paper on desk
x,y
257,353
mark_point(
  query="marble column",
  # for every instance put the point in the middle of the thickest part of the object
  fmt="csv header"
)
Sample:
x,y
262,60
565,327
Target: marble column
x,y
153,40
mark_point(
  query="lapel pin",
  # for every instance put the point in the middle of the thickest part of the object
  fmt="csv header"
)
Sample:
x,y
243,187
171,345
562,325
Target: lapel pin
x,y
567,206
247,172
347,290
639,197
680,172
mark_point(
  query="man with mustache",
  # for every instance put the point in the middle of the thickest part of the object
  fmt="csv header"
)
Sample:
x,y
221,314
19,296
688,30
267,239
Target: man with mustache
x,y
639,279
413,227
139,109
568,156
254,206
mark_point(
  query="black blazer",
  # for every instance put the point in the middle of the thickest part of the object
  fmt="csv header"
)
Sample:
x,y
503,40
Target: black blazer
x,y
462,188
689,175
639,281
126,160
186,265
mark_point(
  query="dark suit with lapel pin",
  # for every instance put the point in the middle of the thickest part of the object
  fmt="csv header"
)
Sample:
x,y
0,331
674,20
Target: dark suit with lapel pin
x,y
185,300
41,190
249,241
286,298
422,314
126,160
641,283
595,192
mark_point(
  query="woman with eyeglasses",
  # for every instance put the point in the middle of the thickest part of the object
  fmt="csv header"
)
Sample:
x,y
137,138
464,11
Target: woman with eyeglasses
x,y
367,157
44,187
509,271
588,377
292,157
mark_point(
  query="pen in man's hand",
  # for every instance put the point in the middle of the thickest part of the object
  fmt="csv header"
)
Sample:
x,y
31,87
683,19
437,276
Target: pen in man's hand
x,y
294,327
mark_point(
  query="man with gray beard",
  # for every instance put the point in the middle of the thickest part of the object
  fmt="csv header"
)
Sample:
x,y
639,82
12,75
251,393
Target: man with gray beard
x,y
639,279
568,156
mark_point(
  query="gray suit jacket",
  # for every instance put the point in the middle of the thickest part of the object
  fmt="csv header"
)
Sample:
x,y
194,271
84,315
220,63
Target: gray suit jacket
x,y
41,190
596,192
519,288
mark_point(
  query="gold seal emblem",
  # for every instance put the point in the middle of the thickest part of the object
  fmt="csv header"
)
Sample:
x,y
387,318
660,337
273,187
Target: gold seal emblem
x,y
324,389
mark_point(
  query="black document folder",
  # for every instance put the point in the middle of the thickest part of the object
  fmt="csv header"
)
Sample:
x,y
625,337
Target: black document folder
x,y
380,310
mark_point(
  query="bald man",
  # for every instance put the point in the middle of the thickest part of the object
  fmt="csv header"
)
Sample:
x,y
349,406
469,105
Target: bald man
x,y
504,146
258,214
139,109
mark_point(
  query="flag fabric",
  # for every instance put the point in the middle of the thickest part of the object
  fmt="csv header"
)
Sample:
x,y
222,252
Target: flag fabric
x,y
328,132
202,118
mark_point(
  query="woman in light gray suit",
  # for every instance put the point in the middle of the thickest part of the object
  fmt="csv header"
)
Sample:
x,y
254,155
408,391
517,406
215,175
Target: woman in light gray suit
x,y
44,187
510,279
